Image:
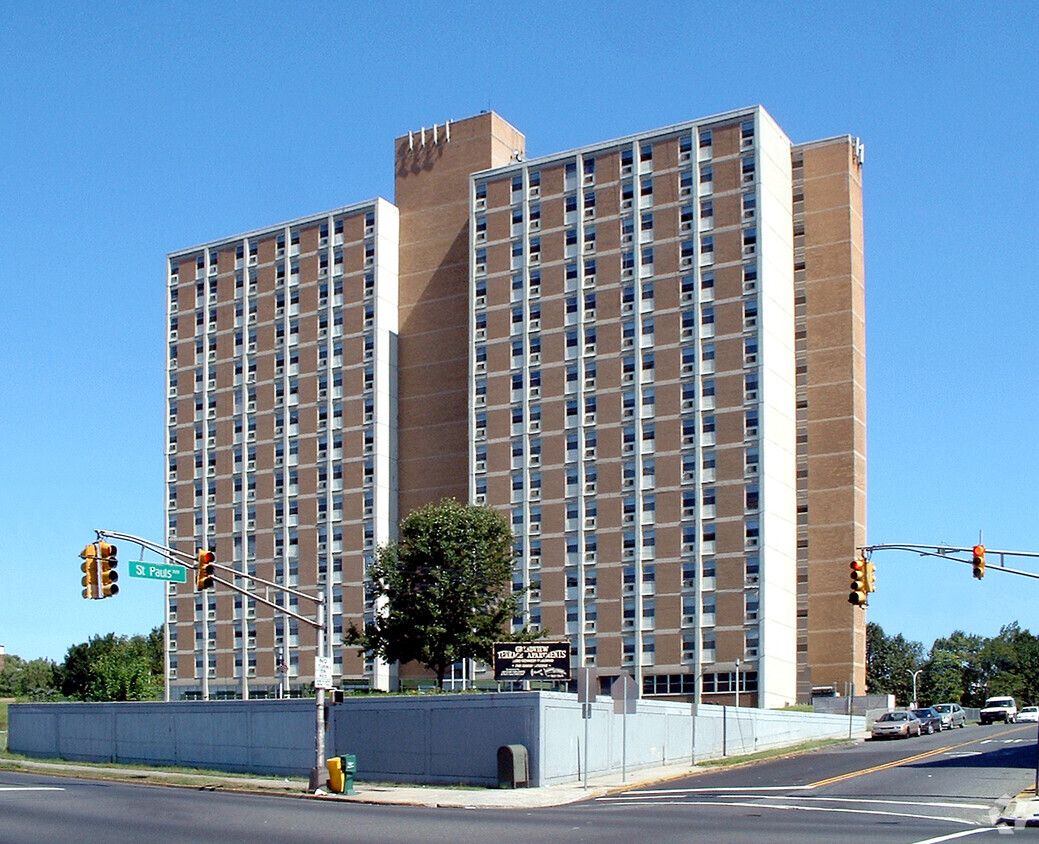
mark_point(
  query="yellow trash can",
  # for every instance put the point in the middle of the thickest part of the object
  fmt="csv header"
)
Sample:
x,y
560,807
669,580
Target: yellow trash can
x,y
336,777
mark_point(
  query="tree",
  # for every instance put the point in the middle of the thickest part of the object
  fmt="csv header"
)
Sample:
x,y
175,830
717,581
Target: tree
x,y
952,670
113,667
443,590
33,679
890,662
1007,665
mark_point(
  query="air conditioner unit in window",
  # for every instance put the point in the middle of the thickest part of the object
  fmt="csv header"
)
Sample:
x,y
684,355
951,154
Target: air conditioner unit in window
x,y
589,213
213,269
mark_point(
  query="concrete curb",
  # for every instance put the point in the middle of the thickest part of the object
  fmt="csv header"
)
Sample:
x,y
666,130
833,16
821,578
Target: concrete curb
x,y
1022,810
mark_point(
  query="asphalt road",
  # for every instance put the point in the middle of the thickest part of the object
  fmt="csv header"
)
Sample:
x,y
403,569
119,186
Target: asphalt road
x,y
933,788
920,789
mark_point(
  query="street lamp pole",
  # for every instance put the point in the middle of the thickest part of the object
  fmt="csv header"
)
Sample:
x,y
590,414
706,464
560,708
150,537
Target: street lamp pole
x,y
914,675
737,684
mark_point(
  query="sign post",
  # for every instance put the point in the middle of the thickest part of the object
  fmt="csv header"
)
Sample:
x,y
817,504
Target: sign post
x,y
625,693
587,685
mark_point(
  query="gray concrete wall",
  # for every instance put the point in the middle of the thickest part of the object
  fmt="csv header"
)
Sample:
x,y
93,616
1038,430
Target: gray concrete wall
x,y
413,738
259,736
860,704
435,738
728,731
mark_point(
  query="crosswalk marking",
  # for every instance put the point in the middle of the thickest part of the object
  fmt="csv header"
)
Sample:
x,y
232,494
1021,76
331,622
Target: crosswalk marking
x,y
791,807
650,796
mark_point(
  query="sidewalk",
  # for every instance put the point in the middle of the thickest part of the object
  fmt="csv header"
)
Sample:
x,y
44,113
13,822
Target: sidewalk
x,y
461,797
512,798
1022,810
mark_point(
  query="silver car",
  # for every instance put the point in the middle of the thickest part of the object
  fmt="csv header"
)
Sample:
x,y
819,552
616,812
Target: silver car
x,y
897,724
952,715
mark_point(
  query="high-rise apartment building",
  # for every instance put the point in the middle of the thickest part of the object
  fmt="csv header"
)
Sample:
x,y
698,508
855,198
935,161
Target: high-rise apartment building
x,y
647,353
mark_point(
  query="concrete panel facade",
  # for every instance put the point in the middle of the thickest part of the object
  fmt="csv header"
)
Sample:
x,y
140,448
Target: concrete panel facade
x,y
410,739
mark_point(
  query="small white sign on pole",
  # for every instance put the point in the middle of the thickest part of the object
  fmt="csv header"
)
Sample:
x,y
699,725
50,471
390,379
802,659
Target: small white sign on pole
x,y
625,693
323,672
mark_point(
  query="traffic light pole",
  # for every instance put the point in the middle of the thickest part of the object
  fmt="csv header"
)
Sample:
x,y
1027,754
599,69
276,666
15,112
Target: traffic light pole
x,y
946,552
317,774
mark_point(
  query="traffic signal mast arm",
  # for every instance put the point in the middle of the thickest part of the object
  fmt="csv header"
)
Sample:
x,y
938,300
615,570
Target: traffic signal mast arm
x,y
969,555
190,560
203,557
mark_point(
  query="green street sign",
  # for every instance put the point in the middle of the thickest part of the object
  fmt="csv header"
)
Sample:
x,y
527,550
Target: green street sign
x,y
159,571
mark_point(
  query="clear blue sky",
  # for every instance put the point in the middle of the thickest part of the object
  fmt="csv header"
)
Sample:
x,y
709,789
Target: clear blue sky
x,y
128,130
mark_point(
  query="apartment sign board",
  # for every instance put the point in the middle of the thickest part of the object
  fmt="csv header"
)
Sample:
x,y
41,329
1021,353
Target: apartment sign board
x,y
532,661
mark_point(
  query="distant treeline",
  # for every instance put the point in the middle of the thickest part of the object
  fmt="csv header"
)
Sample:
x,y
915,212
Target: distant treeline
x,y
959,668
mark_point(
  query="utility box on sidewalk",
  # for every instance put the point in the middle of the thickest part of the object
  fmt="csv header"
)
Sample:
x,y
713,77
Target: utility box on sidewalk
x,y
513,766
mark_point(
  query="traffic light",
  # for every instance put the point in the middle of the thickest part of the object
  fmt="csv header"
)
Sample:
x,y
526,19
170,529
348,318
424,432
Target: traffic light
x,y
870,572
204,572
89,568
979,561
107,575
859,590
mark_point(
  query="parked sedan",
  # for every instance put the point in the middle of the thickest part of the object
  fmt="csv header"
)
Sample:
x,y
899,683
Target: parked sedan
x,y
1029,713
930,721
952,715
896,724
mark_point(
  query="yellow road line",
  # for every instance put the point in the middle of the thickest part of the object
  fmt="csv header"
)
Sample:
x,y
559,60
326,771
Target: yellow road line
x,y
898,762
